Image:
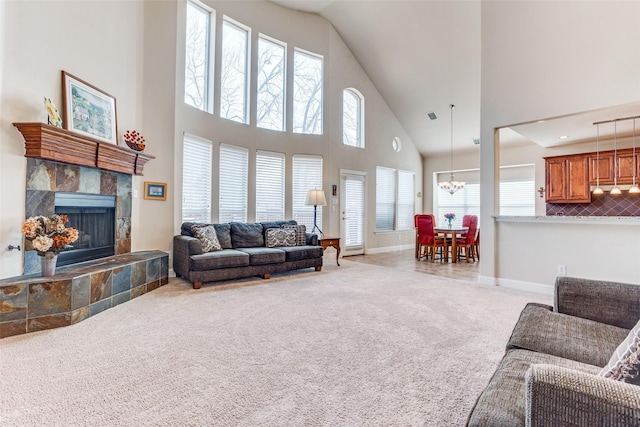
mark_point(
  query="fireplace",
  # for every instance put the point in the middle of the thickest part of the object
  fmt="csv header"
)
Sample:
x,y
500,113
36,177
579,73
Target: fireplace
x,y
94,216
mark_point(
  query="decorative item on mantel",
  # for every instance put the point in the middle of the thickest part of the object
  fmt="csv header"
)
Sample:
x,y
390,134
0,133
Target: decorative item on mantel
x,y
134,140
450,217
49,237
53,116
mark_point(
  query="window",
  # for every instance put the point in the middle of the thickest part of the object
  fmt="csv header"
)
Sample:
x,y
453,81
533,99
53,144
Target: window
x,y
307,93
406,202
518,197
234,72
462,202
395,205
385,199
234,162
271,84
196,63
269,186
307,175
352,118
196,179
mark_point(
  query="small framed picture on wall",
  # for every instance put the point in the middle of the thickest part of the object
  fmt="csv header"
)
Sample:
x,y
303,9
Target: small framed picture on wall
x,y
155,190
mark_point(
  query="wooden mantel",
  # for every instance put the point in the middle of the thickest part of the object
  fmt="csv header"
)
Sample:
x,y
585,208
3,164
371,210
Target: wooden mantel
x,y
52,143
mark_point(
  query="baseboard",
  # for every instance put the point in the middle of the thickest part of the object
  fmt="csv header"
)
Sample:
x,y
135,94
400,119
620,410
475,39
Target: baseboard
x,y
388,249
522,285
172,273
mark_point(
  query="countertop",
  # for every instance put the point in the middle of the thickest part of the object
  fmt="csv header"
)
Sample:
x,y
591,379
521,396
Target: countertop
x,y
561,219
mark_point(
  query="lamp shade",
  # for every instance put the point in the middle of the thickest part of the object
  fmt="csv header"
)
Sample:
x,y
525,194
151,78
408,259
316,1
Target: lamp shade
x,y
316,197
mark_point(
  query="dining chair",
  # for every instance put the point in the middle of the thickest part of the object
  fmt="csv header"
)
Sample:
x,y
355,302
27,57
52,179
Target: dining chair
x,y
415,224
428,241
466,242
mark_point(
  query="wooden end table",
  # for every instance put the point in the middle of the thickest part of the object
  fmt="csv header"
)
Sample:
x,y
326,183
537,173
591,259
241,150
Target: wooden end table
x,y
334,242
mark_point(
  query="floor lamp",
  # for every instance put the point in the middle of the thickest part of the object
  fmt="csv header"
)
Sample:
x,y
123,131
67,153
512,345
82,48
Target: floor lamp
x,y
315,198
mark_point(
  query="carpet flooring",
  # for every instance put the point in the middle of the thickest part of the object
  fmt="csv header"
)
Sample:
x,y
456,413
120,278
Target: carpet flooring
x,y
355,345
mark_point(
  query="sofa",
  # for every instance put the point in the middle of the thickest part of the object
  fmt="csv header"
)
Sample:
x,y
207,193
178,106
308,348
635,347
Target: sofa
x,y
573,364
214,252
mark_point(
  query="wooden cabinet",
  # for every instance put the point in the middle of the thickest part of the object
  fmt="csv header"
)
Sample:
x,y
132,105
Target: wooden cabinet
x,y
603,165
627,167
567,179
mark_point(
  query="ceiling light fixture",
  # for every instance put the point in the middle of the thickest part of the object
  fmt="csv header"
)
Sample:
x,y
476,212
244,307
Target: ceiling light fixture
x,y
615,191
598,190
452,185
634,188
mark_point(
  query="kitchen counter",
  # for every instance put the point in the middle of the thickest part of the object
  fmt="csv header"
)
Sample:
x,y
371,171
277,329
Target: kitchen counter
x,y
604,220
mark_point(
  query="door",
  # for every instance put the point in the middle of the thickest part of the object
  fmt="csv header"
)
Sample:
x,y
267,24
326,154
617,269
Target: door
x,y
352,219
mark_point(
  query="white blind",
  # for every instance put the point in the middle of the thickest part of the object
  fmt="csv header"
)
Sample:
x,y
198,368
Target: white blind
x,y
234,163
406,204
269,186
307,175
196,179
518,197
385,198
354,201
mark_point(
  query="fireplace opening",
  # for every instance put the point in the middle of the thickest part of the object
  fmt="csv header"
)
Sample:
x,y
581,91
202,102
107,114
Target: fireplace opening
x,y
94,216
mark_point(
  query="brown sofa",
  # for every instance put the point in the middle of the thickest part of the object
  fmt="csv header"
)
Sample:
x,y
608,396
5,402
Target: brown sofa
x,y
244,253
550,373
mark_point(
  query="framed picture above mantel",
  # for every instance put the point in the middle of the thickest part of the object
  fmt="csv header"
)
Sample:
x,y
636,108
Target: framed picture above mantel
x,y
88,110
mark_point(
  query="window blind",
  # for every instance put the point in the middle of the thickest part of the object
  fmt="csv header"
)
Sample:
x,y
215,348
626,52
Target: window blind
x,y
196,179
385,198
269,186
406,203
354,225
307,175
463,202
234,163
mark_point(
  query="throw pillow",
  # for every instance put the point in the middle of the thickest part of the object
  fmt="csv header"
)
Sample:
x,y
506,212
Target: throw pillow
x,y
207,236
624,365
301,233
280,237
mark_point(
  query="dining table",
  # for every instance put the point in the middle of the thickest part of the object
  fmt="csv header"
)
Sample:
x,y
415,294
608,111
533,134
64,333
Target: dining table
x,y
451,232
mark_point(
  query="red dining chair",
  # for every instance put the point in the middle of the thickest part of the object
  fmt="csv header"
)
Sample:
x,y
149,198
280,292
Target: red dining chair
x,y
466,242
427,240
415,223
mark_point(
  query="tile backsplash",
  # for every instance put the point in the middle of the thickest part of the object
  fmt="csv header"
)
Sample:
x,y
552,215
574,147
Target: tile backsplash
x,y
604,205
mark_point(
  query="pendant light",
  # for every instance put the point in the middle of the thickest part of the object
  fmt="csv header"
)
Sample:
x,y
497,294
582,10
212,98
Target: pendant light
x,y
598,190
452,185
615,191
634,188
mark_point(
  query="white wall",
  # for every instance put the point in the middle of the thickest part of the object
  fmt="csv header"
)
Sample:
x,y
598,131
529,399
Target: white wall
x,y
99,42
547,59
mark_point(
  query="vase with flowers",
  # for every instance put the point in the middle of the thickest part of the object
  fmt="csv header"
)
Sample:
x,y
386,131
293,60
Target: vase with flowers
x,y
49,236
450,217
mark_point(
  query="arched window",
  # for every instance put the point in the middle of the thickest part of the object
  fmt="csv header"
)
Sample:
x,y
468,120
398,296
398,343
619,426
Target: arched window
x,y
352,118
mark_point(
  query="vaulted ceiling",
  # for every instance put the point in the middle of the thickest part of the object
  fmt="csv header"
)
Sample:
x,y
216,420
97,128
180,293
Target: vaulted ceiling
x,y
424,55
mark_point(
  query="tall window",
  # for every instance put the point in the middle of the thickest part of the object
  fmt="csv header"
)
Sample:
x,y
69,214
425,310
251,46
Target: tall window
x,y
352,118
269,186
406,203
517,197
462,202
271,84
234,164
197,59
307,175
196,179
234,72
385,199
307,93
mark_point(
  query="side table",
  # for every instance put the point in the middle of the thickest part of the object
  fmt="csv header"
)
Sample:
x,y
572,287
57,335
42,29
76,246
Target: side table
x,y
334,242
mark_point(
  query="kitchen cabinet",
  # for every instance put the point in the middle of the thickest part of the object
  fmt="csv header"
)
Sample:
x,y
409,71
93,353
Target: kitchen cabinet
x,y
627,167
603,165
567,179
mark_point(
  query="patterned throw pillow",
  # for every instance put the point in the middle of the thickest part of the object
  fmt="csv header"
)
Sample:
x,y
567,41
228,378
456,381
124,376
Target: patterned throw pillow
x,y
301,233
280,237
207,236
624,365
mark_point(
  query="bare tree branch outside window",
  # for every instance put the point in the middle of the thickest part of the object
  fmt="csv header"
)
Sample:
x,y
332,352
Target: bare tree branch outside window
x,y
307,94
196,64
233,89
271,84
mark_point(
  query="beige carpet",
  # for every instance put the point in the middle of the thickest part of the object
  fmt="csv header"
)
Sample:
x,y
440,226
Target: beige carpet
x,y
356,345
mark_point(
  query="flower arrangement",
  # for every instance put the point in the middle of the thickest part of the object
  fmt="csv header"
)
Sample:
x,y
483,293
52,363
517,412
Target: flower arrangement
x,y
49,236
134,140
450,216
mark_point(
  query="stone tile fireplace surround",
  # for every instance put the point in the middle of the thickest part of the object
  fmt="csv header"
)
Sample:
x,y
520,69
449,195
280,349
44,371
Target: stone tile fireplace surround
x,y
31,303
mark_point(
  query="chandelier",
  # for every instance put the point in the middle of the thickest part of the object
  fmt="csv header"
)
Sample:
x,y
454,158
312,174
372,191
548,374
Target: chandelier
x,y
452,185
